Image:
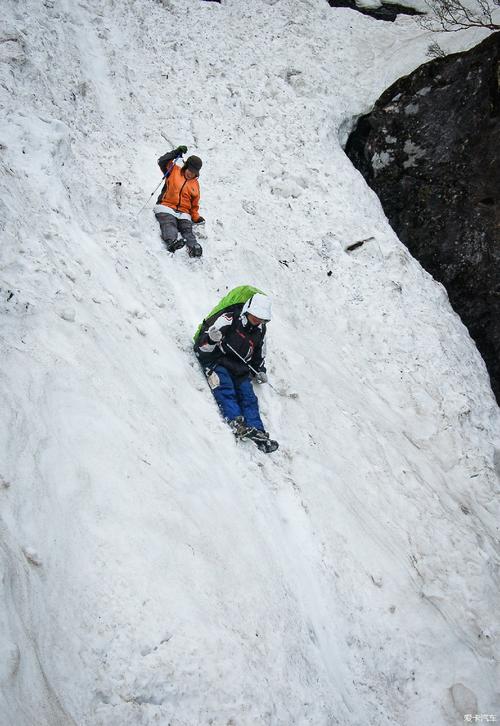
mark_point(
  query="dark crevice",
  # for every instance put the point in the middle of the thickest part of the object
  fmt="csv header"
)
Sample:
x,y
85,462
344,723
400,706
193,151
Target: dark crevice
x,y
386,11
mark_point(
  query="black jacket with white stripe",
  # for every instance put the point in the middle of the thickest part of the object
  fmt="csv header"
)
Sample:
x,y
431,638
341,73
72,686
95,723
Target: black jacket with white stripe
x,y
238,334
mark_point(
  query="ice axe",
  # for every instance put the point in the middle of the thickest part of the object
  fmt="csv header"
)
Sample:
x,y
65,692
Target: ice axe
x,y
256,373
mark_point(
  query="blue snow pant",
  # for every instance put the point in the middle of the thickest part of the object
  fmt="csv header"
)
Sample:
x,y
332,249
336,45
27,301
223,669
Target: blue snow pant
x,y
236,397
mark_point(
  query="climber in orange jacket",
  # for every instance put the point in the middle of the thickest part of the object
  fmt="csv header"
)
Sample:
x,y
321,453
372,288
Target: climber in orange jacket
x,y
177,206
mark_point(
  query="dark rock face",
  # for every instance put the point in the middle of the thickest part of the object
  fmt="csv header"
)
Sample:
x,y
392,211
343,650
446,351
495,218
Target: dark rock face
x,y
386,11
430,149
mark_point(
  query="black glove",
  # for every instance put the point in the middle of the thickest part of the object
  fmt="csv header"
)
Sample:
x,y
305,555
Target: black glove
x,y
180,150
200,220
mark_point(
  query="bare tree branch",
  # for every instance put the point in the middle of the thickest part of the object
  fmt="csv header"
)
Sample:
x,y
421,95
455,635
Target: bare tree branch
x,y
455,15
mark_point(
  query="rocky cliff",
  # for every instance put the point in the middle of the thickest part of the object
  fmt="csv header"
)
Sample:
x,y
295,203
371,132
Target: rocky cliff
x,y
430,149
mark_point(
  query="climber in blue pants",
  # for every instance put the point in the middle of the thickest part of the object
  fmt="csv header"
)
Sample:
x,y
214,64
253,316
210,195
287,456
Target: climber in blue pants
x,y
236,397
230,347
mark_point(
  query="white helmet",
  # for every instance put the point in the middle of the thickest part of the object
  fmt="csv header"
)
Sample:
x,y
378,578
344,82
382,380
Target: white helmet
x,y
258,305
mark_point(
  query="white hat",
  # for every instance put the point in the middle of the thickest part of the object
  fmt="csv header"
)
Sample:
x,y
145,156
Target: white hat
x,y
258,305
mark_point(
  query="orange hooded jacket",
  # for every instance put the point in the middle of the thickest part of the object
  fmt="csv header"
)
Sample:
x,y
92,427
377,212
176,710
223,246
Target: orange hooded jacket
x,y
181,194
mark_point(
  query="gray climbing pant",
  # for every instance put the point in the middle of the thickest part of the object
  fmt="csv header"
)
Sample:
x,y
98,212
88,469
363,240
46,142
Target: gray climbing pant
x,y
170,226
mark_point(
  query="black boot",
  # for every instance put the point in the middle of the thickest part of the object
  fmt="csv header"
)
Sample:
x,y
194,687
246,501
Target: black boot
x,y
238,427
261,440
268,446
195,250
175,245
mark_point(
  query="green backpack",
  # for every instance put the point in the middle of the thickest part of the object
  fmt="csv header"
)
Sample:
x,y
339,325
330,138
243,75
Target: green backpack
x,y
237,295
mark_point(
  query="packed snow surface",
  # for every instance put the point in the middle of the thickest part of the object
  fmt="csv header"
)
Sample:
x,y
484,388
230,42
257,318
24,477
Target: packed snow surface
x,y
154,571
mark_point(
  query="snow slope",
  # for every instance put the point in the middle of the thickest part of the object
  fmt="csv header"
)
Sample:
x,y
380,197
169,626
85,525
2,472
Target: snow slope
x,y
153,571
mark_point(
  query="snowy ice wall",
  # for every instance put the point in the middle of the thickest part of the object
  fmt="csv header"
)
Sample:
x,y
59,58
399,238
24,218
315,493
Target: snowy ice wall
x,y
152,570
